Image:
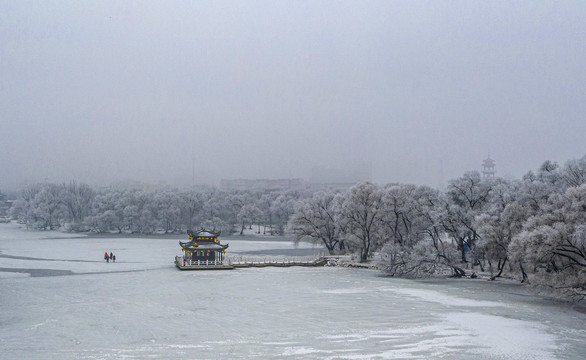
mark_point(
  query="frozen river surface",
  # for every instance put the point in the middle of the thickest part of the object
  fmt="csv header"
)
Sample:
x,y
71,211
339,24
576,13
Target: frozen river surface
x,y
60,300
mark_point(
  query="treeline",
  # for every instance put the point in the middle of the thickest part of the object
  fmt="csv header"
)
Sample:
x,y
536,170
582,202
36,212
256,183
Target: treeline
x,y
77,207
533,228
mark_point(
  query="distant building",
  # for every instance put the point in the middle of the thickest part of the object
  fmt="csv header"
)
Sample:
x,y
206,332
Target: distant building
x,y
140,185
321,178
340,178
350,174
262,184
336,186
488,171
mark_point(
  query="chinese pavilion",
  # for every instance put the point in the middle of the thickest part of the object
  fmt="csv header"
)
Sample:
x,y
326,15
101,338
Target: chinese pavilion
x,y
202,251
488,165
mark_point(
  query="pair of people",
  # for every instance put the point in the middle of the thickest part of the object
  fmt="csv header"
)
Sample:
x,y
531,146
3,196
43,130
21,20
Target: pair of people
x,y
109,257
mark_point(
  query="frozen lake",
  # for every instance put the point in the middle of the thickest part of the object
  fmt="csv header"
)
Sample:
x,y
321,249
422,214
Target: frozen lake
x,y
60,300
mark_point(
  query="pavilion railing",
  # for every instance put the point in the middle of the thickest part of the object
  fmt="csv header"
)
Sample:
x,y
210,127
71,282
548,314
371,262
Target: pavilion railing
x,y
275,260
187,262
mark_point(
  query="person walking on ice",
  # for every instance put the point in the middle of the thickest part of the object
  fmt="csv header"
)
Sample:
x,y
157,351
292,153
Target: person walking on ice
x,y
107,257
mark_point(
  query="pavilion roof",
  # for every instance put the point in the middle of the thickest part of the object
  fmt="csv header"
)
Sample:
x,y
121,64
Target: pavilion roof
x,y
203,240
206,246
203,233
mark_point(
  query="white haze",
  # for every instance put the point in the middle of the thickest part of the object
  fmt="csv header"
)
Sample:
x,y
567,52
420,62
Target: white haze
x,y
143,90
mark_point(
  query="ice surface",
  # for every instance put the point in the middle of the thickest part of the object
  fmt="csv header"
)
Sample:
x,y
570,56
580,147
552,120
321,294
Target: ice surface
x,y
429,295
77,306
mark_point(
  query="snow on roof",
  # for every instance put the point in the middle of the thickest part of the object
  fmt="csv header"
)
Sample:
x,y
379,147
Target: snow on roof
x,y
206,246
205,233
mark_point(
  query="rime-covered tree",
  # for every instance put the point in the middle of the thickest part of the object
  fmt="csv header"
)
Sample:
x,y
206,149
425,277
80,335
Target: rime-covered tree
x,y
402,231
191,204
465,198
49,206
281,209
107,211
264,204
218,211
24,208
316,218
415,245
359,217
574,172
168,209
398,215
248,214
40,206
502,219
552,244
77,198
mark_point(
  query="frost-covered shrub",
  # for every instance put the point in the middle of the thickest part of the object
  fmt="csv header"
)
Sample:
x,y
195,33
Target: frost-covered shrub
x,y
75,227
552,244
421,259
566,286
410,262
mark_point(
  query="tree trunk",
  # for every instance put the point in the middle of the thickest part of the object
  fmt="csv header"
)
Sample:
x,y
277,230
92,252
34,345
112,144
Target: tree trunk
x,y
525,278
463,250
363,255
502,267
458,272
479,263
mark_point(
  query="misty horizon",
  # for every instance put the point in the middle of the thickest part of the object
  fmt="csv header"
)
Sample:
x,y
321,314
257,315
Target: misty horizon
x,y
195,92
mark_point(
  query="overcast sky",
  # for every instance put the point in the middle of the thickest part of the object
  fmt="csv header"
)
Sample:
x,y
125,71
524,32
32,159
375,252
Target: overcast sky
x,y
102,91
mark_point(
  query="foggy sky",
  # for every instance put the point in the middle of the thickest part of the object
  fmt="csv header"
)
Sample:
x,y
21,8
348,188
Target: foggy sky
x,y
103,91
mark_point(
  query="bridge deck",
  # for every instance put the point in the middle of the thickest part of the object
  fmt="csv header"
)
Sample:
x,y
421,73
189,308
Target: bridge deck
x,y
248,262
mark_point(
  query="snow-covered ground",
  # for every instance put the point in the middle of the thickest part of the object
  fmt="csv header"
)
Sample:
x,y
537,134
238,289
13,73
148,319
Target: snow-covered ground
x,y
60,300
